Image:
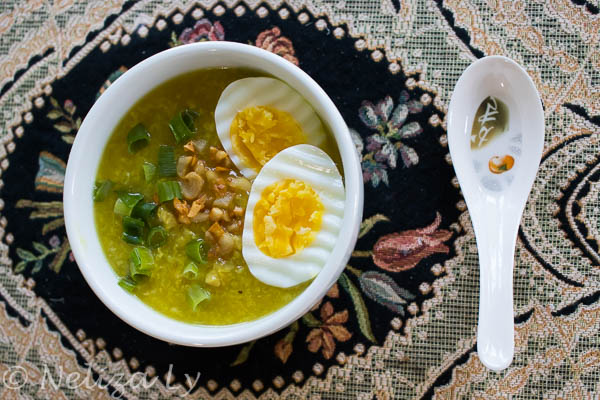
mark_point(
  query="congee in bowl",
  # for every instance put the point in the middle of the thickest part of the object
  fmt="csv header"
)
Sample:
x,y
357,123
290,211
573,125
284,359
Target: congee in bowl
x,y
219,196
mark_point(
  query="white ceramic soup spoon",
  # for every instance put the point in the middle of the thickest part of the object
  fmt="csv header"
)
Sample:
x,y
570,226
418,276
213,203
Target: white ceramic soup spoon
x,y
496,137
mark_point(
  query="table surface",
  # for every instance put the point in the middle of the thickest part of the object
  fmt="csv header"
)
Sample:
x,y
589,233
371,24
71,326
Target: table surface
x,y
405,329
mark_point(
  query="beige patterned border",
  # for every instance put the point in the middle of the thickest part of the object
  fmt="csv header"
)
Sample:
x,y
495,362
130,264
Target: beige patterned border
x,y
359,374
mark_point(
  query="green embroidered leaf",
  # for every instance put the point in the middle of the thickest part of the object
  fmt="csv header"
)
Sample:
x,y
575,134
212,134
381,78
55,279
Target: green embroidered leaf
x,y
54,102
37,266
362,313
69,139
54,114
385,291
355,271
63,127
20,267
310,320
78,123
292,333
368,223
25,255
243,355
24,203
40,248
174,41
52,225
61,256
46,213
53,206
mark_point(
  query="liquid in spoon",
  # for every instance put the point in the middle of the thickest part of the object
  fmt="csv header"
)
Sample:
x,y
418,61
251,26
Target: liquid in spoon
x,y
495,144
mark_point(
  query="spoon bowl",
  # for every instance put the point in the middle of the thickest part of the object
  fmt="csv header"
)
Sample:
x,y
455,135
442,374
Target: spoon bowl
x,y
496,138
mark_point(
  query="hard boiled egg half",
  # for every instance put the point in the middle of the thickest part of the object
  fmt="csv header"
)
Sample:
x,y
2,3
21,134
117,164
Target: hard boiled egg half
x,y
293,216
256,118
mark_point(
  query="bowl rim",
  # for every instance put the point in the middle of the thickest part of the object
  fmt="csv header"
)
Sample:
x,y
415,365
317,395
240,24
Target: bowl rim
x,y
76,206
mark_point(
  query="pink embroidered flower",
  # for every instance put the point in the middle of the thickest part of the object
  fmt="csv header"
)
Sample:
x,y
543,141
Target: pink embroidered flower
x,y
402,251
203,30
69,107
272,41
54,241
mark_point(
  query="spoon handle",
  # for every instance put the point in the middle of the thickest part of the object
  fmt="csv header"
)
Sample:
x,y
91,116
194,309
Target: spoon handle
x,y
496,235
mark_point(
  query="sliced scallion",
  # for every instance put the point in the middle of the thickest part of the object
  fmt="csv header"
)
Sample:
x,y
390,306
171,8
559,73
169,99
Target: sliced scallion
x,y
126,202
157,237
149,171
127,283
133,230
167,166
141,263
197,294
190,271
183,125
137,138
133,226
196,251
102,189
132,239
168,190
143,210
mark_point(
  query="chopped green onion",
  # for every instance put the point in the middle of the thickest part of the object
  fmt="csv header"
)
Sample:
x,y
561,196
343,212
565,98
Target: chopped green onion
x,y
197,294
167,166
133,230
168,190
101,190
149,171
126,202
132,239
141,263
128,284
133,226
144,211
157,237
137,138
182,125
196,251
190,271
121,208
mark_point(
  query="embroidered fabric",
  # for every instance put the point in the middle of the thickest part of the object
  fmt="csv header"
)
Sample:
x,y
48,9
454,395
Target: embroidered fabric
x,y
401,327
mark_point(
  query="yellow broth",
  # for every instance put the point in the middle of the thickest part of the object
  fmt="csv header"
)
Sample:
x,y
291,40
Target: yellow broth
x,y
241,297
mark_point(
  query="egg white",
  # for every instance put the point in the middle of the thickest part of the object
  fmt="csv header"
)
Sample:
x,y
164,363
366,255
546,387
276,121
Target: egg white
x,y
315,168
252,92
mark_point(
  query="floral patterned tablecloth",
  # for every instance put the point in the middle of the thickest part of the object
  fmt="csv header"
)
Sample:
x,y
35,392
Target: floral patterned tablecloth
x,y
401,320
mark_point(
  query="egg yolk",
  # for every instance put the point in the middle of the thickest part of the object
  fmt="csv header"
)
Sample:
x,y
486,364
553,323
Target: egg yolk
x,y
287,218
258,133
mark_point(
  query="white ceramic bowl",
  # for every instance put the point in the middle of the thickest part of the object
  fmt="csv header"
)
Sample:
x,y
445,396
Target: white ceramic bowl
x,y
87,151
